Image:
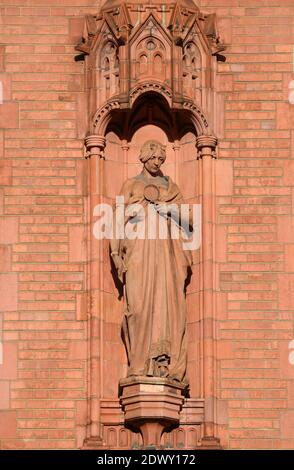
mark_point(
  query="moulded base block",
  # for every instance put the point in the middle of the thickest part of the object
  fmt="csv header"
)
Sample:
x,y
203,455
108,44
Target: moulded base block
x,y
209,443
151,406
93,443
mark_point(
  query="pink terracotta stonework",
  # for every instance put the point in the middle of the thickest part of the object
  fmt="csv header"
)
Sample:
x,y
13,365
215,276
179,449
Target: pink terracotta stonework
x,y
151,75
84,84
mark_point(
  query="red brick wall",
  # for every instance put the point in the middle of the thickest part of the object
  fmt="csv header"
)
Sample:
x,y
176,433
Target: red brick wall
x,y
43,375
255,225
43,379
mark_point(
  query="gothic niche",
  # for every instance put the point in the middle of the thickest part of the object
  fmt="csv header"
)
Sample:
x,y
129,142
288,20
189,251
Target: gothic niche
x,y
109,66
192,72
150,59
150,76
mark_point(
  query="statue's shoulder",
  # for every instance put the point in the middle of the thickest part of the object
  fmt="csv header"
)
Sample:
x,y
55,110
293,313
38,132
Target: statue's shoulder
x,y
128,184
130,181
171,183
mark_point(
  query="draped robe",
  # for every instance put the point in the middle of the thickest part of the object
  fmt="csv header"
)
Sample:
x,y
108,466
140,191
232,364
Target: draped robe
x,y
154,323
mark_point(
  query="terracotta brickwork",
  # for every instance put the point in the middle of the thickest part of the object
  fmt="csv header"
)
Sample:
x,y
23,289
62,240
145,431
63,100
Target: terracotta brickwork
x,y
43,374
254,225
44,331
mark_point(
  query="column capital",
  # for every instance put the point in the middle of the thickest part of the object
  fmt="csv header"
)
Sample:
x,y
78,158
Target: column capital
x,y
206,141
95,145
176,145
125,145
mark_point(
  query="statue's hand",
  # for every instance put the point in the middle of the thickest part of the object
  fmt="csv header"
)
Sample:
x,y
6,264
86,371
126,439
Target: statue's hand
x,y
162,209
136,213
119,264
167,210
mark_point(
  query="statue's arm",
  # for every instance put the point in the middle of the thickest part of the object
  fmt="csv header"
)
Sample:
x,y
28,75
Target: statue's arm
x,y
173,210
119,219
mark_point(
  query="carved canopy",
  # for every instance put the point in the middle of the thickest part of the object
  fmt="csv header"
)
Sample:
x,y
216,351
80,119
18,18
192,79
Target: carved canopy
x,y
168,48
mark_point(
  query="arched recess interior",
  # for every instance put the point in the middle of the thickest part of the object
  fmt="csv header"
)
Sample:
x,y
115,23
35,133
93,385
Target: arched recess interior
x,y
125,131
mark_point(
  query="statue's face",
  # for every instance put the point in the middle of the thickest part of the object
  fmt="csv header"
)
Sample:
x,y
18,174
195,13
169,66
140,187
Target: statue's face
x,y
154,163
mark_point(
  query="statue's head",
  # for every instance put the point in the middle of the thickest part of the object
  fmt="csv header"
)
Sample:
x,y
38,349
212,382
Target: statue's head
x,y
153,155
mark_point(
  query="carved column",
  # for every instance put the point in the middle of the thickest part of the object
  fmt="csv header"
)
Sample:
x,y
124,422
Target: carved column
x,y
176,148
125,148
95,145
206,146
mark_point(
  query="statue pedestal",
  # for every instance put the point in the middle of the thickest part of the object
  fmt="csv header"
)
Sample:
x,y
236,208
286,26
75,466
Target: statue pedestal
x,y
151,406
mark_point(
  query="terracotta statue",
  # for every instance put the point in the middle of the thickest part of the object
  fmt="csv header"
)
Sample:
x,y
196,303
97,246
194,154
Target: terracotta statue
x,y
154,272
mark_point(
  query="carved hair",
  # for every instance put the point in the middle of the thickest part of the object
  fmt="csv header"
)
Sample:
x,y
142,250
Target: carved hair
x,y
148,149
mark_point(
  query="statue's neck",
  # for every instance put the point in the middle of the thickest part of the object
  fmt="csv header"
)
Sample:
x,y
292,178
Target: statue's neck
x,y
158,179
148,175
